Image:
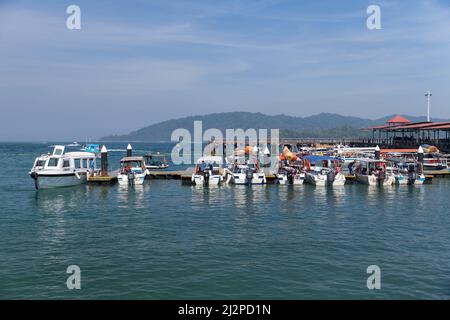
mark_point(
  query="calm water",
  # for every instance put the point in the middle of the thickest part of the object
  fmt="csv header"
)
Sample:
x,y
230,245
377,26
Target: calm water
x,y
167,241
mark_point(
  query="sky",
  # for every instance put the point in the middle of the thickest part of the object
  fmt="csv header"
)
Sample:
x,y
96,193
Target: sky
x,y
138,62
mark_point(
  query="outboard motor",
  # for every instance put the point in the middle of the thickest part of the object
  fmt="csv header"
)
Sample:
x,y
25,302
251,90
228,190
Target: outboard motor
x,y
381,177
130,177
290,177
331,175
412,176
206,178
249,175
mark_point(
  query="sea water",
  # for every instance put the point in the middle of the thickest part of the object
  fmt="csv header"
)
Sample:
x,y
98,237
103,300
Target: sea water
x,y
163,240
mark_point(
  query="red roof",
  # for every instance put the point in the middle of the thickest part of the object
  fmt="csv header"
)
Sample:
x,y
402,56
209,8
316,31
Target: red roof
x,y
384,126
442,126
398,119
420,125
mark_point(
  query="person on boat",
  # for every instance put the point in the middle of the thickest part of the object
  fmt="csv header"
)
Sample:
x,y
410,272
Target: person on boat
x,y
350,167
92,166
211,168
202,166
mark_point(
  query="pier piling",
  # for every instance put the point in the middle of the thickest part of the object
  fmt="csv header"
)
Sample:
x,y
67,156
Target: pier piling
x,y
104,162
129,150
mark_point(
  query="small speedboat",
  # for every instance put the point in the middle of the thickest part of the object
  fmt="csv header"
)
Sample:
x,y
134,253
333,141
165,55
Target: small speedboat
x,y
132,171
208,171
373,172
290,173
324,170
248,173
407,173
156,162
61,169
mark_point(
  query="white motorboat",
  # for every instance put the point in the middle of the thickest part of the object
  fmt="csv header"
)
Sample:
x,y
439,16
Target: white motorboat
x,y
289,169
435,163
156,161
208,171
245,169
407,173
248,173
132,171
324,170
373,172
61,169
290,173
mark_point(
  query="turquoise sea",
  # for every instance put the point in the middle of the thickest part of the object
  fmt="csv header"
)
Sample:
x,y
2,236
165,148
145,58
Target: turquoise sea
x,y
168,241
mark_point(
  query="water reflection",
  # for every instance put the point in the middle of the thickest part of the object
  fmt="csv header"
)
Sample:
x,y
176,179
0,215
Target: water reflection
x,y
56,207
339,195
132,196
57,201
211,196
250,198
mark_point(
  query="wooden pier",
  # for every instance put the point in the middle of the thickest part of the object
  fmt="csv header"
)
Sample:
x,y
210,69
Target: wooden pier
x,y
352,178
109,178
186,175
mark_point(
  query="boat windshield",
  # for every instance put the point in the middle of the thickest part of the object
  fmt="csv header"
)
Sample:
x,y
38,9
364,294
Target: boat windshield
x,y
53,162
131,164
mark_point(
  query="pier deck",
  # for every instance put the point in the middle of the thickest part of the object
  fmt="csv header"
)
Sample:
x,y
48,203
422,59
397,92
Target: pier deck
x,y
110,178
186,175
352,178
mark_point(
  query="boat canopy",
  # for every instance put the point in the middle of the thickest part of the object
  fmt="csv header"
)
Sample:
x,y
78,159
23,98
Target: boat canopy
x,y
81,155
370,160
132,159
314,158
95,148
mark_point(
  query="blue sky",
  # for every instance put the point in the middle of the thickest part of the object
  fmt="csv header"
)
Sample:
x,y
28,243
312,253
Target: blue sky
x,y
134,63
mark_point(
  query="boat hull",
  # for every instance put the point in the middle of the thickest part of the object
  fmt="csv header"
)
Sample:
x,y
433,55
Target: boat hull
x,y
339,180
124,180
58,181
296,180
316,179
199,180
256,178
372,180
402,180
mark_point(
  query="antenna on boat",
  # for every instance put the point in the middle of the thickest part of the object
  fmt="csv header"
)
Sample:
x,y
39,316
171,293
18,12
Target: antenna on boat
x,y
428,95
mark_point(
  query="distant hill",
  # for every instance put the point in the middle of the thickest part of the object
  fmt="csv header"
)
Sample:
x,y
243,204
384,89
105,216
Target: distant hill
x,y
320,125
